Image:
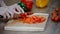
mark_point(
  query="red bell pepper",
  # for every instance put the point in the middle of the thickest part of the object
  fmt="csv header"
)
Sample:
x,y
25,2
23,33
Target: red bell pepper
x,y
28,4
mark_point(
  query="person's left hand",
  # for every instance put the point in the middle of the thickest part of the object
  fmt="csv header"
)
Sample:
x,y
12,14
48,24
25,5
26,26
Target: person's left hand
x,y
9,11
16,9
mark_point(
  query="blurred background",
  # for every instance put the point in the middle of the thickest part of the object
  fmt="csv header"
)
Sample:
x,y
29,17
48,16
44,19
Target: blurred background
x,y
10,2
52,28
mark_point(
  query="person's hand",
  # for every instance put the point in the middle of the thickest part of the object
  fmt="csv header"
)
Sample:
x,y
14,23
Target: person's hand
x,y
9,11
16,9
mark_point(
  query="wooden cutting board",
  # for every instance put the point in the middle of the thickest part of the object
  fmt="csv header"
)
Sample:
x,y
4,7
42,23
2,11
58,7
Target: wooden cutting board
x,y
17,25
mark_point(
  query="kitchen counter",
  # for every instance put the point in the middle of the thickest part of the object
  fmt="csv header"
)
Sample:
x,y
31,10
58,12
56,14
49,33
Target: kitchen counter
x,y
51,28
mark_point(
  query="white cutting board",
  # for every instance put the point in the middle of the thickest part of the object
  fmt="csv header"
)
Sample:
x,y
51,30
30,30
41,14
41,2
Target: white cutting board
x,y
16,25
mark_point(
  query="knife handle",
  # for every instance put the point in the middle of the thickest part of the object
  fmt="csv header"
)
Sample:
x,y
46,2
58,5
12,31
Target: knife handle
x,y
1,16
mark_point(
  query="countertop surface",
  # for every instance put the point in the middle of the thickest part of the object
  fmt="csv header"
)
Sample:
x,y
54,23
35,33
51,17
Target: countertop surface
x,y
51,27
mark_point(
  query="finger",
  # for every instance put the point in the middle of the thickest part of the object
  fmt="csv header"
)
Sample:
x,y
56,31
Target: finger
x,y
4,16
8,16
11,13
15,9
21,10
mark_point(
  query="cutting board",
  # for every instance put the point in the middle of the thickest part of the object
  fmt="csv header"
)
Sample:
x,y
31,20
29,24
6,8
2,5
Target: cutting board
x,y
17,25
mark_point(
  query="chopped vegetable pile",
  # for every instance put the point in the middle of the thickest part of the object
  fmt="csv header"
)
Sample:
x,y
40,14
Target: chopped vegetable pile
x,y
32,19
